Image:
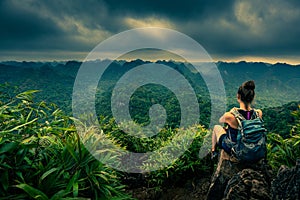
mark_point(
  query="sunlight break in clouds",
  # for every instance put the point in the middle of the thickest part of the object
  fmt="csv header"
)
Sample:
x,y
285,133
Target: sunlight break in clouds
x,y
148,22
82,33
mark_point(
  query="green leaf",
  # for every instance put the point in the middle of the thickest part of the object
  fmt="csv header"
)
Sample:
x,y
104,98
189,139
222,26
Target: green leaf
x,y
57,111
5,116
29,139
58,195
4,180
66,129
72,182
75,189
296,143
29,115
20,155
18,127
102,177
27,95
33,192
8,147
20,175
48,173
4,165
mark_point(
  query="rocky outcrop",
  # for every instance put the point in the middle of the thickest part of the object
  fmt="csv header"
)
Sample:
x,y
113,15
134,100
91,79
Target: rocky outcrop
x,y
247,184
236,180
286,185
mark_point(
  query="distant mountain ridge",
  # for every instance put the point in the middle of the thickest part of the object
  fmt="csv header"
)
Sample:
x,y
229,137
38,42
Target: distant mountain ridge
x,y
277,84
280,82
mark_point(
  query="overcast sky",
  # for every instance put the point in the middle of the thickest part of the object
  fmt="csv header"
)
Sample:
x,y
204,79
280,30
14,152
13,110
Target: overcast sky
x,y
230,30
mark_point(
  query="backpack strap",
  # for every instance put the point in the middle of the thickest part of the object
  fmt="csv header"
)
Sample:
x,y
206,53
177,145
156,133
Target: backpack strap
x,y
255,114
239,117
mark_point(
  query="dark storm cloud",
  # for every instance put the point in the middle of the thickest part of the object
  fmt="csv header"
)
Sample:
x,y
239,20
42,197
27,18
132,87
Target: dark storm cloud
x,y
35,25
176,9
19,27
224,28
228,28
254,28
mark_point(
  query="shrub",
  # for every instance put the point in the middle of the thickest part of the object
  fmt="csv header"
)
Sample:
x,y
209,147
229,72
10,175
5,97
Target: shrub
x,y
42,156
285,151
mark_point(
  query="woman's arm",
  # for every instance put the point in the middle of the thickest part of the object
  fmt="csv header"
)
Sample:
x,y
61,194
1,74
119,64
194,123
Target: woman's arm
x,y
225,118
229,119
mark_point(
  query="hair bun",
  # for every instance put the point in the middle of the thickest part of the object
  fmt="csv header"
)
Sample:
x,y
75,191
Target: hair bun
x,y
249,85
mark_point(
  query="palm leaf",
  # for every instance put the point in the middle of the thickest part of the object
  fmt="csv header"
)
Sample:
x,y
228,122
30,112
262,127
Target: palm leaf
x,y
33,192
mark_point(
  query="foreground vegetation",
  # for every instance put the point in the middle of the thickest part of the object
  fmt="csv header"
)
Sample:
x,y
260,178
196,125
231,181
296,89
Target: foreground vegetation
x,y
42,156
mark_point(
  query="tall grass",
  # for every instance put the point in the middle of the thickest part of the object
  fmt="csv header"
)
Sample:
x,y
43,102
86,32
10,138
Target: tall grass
x,y
164,167
285,151
42,157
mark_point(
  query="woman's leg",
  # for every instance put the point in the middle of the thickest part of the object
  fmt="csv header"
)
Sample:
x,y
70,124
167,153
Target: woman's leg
x,y
216,134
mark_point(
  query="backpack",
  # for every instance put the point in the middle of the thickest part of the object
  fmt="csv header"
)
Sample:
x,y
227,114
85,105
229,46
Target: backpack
x,y
251,138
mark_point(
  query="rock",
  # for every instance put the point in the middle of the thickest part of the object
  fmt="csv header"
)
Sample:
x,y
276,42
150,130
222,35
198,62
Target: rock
x,y
225,170
247,184
229,167
287,183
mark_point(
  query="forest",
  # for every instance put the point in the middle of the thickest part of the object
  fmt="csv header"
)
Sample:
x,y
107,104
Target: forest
x,y
43,157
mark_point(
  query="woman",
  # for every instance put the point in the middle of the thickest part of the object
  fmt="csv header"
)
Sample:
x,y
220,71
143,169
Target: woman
x,y
225,137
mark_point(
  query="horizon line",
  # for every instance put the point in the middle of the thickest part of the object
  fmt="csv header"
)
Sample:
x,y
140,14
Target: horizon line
x,y
147,60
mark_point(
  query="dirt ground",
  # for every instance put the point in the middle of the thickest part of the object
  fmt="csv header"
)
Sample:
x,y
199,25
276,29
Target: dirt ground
x,y
191,190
